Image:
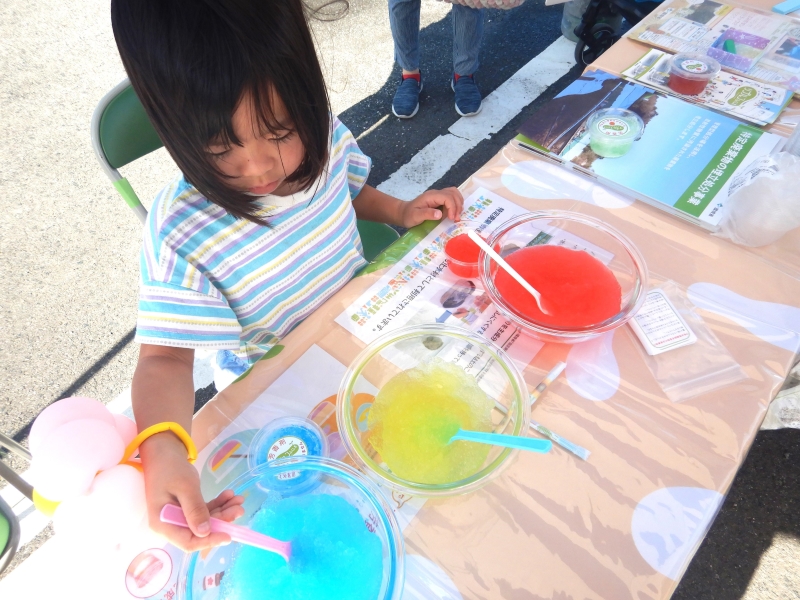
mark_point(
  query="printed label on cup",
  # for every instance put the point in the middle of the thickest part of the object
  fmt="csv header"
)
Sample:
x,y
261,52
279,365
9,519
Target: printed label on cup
x,y
694,66
284,448
613,127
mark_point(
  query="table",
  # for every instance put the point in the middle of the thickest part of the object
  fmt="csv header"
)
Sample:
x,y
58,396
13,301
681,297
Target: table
x,y
625,523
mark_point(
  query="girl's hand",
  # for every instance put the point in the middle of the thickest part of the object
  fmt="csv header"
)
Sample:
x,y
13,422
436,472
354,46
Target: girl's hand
x,y
171,479
428,207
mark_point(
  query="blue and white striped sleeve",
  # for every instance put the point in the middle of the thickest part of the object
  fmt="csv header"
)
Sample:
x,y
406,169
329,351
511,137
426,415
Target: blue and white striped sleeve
x,y
178,305
357,163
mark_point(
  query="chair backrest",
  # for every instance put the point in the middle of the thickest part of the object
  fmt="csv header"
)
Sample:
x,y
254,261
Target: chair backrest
x,y
125,131
122,133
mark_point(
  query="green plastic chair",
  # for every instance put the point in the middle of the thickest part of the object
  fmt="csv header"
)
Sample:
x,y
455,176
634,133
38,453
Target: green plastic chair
x,y
9,524
122,133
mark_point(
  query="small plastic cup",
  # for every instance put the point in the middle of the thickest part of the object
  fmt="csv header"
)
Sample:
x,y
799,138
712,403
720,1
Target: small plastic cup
x,y
283,438
613,131
458,263
689,73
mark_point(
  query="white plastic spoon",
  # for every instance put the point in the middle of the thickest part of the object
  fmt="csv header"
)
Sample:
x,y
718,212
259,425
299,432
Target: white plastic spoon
x,y
507,268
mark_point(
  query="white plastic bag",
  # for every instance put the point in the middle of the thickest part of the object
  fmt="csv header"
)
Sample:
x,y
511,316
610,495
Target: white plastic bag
x,y
763,201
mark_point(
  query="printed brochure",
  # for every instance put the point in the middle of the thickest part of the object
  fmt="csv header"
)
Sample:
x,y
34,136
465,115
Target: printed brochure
x,y
764,46
682,163
736,95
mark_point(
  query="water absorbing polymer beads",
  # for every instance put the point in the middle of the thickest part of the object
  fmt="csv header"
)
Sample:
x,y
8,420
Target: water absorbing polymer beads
x,y
612,131
334,555
417,412
689,74
462,254
577,289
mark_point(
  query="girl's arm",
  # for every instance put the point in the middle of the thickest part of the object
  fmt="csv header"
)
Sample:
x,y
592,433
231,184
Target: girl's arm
x,y
372,205
163,390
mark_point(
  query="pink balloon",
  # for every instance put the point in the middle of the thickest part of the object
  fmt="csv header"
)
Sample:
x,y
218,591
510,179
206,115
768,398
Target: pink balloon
x,y
71,456
63,411
126,428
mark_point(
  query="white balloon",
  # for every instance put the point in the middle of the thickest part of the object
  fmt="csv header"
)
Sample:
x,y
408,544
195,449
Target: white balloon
x,y
72,520
119,492
64,411
109,513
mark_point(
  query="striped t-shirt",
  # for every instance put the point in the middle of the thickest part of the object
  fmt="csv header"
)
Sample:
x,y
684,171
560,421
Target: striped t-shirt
x,y
211,280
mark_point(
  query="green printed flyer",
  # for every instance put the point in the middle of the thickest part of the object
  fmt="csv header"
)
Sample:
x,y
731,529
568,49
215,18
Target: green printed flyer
x,y
736,95
683,162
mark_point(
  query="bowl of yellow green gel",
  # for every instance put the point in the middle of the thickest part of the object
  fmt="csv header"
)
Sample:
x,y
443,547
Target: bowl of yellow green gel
x,y
431,381
346,542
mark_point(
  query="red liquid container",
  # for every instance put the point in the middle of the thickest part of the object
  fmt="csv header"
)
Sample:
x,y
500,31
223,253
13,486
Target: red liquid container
x,y
689,74
462,256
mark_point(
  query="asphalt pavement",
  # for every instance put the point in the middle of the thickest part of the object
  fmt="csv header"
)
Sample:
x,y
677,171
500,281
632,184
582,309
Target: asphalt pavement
x,y
69,245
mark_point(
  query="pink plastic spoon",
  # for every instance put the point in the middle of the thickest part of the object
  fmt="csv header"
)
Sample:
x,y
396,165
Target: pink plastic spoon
x,y
174,516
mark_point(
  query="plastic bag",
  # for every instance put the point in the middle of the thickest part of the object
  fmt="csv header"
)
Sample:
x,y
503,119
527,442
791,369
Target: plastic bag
x,y
763,201
699,368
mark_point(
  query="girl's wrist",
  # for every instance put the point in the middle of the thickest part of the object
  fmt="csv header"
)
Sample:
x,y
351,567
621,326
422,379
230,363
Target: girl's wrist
x,y
160,443
400,213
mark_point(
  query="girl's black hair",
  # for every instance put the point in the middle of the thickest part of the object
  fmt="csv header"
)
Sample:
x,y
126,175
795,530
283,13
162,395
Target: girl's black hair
x,y
192,61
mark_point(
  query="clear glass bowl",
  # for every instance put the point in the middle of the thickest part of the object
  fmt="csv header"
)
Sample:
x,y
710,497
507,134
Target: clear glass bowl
x,y
576,231
200,578
405,349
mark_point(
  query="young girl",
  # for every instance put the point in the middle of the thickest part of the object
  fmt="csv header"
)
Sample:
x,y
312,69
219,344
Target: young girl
x,y
260,227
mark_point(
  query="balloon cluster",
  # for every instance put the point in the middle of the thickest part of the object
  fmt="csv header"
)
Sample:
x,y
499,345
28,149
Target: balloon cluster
x,y
77,446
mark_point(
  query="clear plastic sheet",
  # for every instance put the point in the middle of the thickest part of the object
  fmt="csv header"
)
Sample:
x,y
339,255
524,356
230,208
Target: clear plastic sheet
x,y
625,523
700,368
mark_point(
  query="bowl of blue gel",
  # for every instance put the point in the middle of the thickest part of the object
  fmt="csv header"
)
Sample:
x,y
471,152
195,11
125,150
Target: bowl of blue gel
x,y
289,437
346,543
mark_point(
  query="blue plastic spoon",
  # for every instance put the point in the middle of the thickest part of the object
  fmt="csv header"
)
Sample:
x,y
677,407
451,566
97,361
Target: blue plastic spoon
x,y
499,439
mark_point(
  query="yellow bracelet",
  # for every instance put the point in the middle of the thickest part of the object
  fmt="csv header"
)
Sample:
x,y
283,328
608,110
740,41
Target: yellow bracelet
x,y
175,428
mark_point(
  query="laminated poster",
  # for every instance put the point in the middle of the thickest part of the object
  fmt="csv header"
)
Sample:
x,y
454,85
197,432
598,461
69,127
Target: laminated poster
x,y
764,46
736,95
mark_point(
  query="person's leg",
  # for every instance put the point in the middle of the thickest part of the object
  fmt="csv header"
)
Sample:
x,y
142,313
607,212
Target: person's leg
x,y
404,22
467,34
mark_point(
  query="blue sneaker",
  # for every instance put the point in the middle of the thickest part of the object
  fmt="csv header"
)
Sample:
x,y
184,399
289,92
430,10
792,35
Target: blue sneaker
x,y
406,99
468,96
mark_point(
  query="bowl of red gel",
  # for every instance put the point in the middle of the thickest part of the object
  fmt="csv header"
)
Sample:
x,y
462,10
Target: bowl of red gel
x,y
591,278
462,253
